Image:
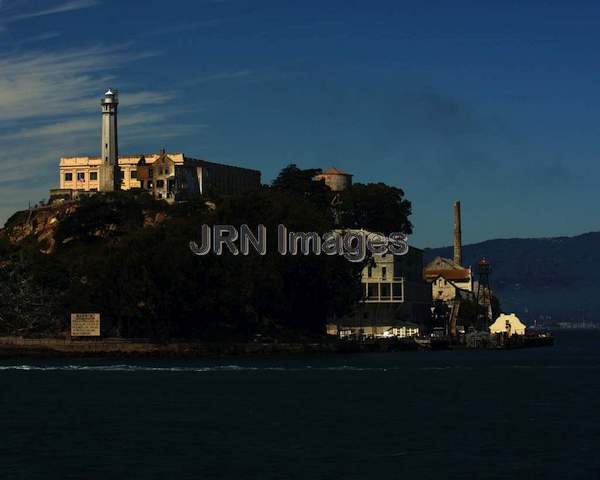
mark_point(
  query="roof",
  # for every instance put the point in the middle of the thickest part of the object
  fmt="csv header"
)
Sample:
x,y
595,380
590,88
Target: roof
x,y
177,157
121,155
447,268
441,263
205,163
359,231
336,171
458,274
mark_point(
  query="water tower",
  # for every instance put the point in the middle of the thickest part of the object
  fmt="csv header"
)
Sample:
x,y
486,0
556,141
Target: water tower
x,y
483,308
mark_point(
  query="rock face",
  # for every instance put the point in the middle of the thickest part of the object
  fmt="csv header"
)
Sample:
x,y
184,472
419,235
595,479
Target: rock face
x,y
39,223
151,219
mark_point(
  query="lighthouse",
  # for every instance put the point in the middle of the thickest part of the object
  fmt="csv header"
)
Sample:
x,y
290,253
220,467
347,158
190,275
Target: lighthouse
x,y
110,175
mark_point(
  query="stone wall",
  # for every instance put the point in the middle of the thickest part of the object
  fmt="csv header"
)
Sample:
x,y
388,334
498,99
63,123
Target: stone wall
x,y
15,346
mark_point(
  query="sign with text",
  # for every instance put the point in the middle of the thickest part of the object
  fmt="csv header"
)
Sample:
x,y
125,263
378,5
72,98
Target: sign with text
x,y
85,324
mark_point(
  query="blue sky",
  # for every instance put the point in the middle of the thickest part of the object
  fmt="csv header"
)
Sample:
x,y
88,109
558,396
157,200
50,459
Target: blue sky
x,y
494,103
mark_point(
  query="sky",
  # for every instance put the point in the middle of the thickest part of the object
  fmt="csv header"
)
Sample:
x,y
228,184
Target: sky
x,y
493,103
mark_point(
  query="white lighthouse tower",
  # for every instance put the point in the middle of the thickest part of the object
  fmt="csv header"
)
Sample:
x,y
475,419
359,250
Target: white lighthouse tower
x,y
110,174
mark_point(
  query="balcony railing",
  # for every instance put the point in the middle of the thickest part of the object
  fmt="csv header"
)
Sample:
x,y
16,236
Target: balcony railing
x,y
389,291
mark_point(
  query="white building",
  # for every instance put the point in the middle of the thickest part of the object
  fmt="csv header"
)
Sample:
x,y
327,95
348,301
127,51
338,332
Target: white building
x,y
394,293
508,324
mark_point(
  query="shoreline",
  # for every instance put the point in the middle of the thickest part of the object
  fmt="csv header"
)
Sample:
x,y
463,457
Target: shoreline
x,y
13,347
17,347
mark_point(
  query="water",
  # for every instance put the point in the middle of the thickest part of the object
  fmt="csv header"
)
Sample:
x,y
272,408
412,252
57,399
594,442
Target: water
x,y
498,414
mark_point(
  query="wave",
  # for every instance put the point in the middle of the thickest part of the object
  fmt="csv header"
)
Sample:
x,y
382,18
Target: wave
x,y
247,368
218,368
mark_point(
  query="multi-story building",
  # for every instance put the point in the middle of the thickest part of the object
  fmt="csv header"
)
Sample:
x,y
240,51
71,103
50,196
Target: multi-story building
x,y
446,278
395,295
169,176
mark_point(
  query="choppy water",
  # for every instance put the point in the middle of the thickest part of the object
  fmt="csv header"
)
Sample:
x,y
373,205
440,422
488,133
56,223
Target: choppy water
x,y
516,414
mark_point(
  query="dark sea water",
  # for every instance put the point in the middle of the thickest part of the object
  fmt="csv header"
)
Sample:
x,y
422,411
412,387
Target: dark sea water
x,y
531,414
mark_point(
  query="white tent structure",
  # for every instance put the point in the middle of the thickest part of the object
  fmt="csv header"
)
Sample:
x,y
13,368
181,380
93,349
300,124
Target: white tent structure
x,y
509,324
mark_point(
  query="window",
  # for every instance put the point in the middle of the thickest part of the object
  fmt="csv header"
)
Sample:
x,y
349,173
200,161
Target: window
x,y
370,271
133,174
397,291
93,175
383,273
160,184
81,176
141,184
68,177
166,170
150,184
150,172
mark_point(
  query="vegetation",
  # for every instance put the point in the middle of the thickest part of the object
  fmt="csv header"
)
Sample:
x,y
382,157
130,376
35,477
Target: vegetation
x,y
127,256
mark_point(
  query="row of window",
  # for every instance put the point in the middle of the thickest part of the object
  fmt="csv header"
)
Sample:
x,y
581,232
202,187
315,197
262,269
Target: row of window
x,y
384,290
80,176
166,171
150,184
383,272
94,176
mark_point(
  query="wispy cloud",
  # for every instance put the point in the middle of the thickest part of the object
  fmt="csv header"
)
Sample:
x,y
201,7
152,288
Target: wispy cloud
x,y
39,38
49,107
42,84
79,125
59,8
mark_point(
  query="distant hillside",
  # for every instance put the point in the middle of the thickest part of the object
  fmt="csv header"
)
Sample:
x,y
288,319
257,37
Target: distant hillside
x,y
541,276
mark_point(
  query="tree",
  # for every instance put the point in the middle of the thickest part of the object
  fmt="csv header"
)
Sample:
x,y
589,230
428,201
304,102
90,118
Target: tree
x,y
301,183
144,280
376,207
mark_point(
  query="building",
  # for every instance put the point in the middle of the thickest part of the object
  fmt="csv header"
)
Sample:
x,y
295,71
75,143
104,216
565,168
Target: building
x,y
169,176
451,284
395,294
335,179
447,276
445,290
398,330
508,324
176,177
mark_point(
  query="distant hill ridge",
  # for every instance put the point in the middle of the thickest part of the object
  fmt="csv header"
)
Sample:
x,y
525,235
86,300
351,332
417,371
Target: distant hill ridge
x,y
541,276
